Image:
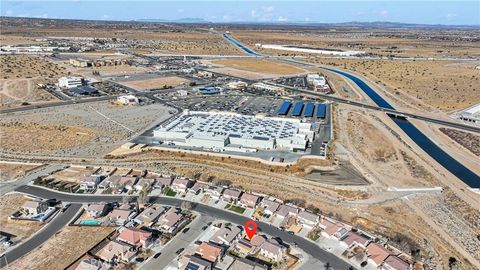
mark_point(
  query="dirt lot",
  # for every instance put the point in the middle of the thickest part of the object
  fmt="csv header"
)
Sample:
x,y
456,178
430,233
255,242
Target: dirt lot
x,y
159,38
80,130
110,70
10,171
64,248
20,229
260,66
466,139
45,137
74,173
17,40
376,148
426,85
19,76
379,42
155,83
28,66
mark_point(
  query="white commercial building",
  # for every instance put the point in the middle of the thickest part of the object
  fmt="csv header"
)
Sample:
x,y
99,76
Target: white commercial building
x,y
237,85
471,114
264,86
220,131
70,82
128,100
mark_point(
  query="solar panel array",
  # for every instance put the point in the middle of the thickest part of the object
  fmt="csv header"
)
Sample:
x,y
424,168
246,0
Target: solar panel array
x,y
297,109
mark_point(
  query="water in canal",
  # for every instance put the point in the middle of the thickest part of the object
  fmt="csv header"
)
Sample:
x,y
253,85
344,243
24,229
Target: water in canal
x,y
443,158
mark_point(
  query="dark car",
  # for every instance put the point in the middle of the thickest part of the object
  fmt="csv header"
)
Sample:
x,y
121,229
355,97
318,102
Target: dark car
x,y
185,230
157,255
179,251
65,207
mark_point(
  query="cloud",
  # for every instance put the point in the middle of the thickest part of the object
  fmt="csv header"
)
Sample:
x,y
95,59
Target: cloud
x,y
180,10
266,14
9,13
268,9
383,13
450,16
227,17
106,16
42,16
281,19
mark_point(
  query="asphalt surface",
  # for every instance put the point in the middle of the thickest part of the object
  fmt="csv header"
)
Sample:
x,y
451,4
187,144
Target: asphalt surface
x,y
309,247
181,240
57,223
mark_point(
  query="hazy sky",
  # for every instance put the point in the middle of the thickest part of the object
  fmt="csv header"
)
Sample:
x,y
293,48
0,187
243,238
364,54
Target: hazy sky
x,y
427,12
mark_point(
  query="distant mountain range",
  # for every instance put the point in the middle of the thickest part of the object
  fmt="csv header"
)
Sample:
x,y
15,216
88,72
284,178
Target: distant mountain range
x,y
182,20
378,24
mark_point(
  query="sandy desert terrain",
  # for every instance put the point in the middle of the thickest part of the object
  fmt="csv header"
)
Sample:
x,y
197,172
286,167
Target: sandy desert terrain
x,y
53,255
378,42
12,170
424,85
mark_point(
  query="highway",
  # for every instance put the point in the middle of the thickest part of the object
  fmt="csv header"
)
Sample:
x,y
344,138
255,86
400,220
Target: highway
x,y
309,247
57,223
386,110
149,94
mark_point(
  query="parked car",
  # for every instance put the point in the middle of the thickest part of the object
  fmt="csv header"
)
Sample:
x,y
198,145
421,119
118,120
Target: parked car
x,y
157,255
179,251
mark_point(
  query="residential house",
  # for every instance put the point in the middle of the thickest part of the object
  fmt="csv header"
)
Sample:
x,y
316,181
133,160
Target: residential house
x,y
392,262
181,185
209,252
114,251
332,228
377,254
270,207
245,247
272,250
214,192
225,235
307,219
198,187
135,237
286,210
35,207
143,183
353,239
90,182
91,264
230,195
170,220
120,216
120,184
194,263
245,264
162,182
249,200
96,210
150,215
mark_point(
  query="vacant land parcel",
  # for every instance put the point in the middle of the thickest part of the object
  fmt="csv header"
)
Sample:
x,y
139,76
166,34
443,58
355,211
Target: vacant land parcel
x,y
20,75
155,83
85,130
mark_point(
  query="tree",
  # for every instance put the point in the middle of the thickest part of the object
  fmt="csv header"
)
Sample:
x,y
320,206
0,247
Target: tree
x,y
186,205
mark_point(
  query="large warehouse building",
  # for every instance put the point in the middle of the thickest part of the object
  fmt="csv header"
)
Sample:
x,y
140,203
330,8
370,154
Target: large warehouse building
x,y
220,131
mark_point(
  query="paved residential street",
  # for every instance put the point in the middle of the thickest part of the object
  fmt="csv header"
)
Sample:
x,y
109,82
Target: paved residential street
x,y
56,224
181,240
309,247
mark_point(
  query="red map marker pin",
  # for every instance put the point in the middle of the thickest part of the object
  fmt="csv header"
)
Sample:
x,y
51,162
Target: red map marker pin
x,y
250,228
